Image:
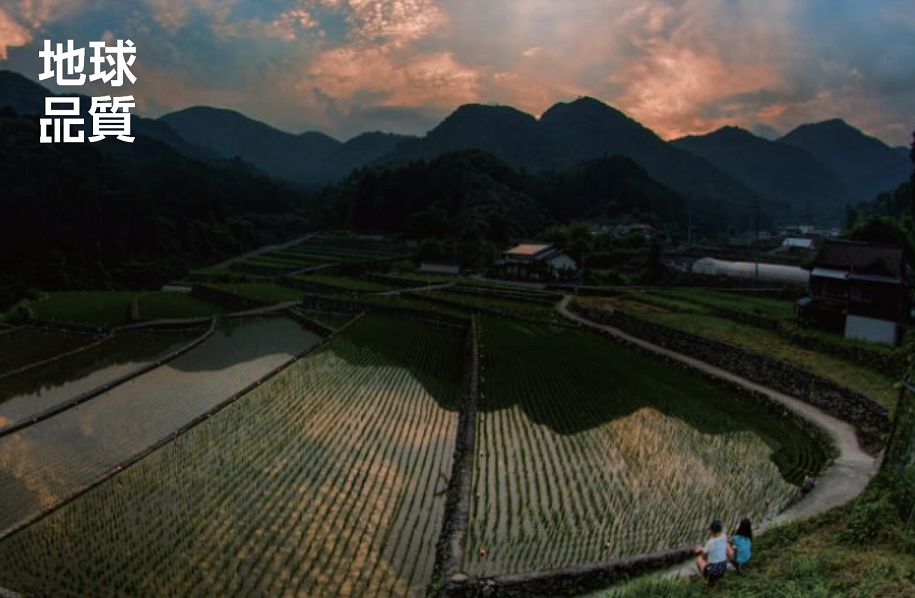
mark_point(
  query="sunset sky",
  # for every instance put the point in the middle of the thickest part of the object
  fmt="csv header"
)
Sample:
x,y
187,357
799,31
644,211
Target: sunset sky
x,y
347,66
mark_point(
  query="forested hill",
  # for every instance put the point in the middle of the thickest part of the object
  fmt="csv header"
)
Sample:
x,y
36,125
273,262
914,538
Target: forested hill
x,y
473,196
115,214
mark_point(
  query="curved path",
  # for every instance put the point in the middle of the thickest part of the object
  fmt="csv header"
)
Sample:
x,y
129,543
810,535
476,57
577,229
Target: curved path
x,y
845,477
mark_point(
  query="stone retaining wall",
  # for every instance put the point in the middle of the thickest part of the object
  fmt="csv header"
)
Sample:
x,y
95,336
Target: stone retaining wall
x,y
449,551
870,418
538,298
566,581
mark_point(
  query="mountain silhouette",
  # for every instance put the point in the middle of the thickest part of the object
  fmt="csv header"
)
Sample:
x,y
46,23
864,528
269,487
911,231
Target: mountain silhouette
x,y
866,165
280,154
502,131
794,179
813,170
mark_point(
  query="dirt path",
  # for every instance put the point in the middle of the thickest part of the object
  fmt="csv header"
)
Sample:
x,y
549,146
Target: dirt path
x,y
430,287
843,480
265,249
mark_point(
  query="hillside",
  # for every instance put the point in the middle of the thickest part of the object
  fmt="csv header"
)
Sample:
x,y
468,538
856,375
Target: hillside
x,y
607,188
469,195
801,187
79,216
866,165
281,155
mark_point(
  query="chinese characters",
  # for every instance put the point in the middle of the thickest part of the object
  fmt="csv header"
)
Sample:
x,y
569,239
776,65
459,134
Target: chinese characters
x,y
110,116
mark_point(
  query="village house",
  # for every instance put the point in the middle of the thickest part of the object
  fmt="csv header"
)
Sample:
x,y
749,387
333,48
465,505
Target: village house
x,y
536,261
861,290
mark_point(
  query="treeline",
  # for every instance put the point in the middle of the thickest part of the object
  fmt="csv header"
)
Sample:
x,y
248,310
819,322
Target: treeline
x,y
889,218
113,214
472,196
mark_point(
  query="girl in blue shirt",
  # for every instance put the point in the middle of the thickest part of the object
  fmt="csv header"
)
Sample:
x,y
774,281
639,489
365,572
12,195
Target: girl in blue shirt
x,y
741,543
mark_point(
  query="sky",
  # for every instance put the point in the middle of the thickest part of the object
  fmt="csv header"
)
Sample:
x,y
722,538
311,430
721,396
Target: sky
x,y
348,66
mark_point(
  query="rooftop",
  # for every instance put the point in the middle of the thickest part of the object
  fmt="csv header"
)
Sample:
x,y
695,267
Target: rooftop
x,y
528,249
862,258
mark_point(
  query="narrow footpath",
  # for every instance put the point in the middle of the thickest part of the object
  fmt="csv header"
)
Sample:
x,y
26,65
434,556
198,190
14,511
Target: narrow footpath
x,y
843,480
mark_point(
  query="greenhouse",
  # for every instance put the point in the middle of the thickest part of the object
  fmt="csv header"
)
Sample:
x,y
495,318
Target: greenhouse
x,y
776,273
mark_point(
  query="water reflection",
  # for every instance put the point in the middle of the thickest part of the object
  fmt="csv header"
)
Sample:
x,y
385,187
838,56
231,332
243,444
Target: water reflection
x,y
64,453
38,389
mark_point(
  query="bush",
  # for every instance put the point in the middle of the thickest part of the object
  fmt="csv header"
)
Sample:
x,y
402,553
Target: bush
x,y
874,517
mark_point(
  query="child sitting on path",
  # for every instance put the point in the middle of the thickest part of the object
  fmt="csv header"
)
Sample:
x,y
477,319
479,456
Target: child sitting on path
x,y
712,561
741,543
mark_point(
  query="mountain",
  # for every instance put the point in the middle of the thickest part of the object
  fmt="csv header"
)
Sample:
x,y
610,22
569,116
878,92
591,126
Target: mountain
x,y
800,185
503,131
866,165
26,97
361,150
570,133
21,94
281,155
588,128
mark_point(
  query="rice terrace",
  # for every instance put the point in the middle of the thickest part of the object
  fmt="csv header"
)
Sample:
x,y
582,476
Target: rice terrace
x,y
360,435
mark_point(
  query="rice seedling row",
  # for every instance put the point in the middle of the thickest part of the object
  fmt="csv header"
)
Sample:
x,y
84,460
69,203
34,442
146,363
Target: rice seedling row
x,y
513,307
589,452
323,481
56,457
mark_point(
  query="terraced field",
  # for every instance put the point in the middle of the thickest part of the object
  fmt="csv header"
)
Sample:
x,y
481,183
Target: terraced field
x,y
589,451
42,464
327,480
30,392
28,345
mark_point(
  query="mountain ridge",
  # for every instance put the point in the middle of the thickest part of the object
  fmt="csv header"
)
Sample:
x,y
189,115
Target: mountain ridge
x,y
789,174
565,134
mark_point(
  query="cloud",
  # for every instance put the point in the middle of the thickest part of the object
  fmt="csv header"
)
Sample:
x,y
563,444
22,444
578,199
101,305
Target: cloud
x,y
11,34
679,66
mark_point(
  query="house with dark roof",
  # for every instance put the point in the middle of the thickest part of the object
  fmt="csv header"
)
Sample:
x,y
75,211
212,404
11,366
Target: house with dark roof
x,y
861,290
536,261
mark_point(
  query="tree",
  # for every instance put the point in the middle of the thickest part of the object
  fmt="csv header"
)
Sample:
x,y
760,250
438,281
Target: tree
x,y
884,231
912,177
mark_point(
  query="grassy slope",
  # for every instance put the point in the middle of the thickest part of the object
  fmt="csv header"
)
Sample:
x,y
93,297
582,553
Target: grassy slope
x,y
862,379
857,551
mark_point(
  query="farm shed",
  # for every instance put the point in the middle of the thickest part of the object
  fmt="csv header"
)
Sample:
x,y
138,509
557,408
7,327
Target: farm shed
x,y
439,268
773,273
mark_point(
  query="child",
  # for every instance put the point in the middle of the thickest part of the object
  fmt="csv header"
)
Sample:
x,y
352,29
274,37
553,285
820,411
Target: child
x,y
712,561
741,543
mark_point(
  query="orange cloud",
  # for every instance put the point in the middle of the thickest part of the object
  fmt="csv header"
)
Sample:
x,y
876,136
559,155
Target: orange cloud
x,y
11,34
399,79
400,21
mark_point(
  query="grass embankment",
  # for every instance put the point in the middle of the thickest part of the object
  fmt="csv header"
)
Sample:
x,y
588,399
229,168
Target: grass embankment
x,y
674,309
857,551
110,309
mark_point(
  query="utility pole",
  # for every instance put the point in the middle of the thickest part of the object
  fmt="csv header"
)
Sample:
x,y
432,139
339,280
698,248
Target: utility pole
x,y
756,243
